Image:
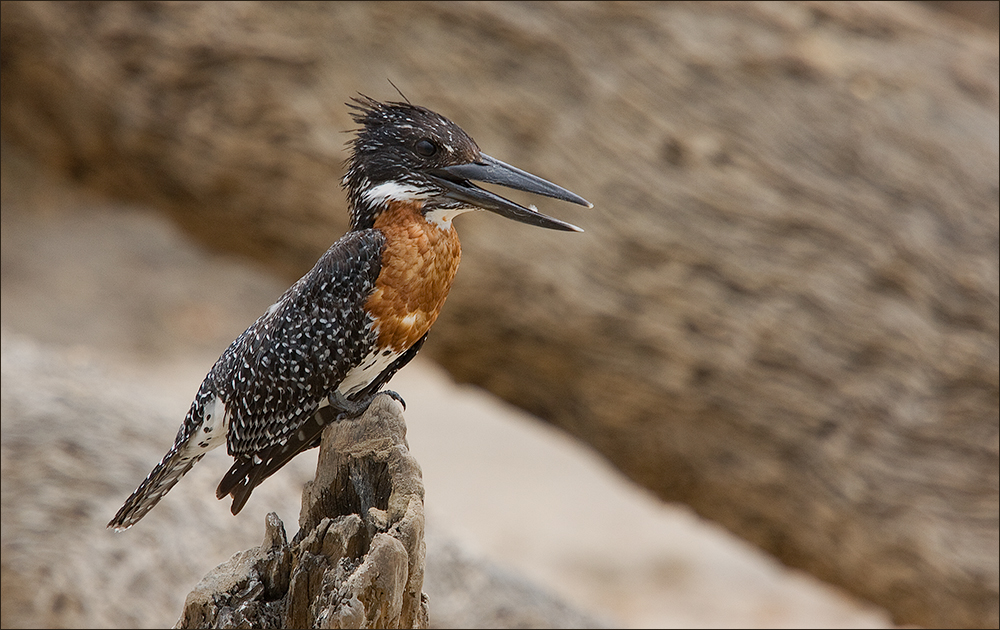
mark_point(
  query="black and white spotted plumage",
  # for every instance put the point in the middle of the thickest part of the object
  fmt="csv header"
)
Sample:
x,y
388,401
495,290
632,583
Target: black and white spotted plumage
x,y
269,383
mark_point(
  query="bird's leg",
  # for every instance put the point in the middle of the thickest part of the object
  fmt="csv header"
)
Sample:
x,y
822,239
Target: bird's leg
x,y
349,409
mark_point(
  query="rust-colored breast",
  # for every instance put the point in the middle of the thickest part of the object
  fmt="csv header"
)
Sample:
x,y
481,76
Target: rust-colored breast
x,y
419,263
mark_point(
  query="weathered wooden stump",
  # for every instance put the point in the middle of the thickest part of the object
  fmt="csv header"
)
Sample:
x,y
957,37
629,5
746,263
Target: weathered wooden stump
x,y
358,558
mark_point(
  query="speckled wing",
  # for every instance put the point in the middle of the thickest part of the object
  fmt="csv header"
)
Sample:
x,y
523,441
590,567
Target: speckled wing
x,y
276,375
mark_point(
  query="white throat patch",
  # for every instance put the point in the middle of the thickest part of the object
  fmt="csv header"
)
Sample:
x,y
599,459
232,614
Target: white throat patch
x,y
442,217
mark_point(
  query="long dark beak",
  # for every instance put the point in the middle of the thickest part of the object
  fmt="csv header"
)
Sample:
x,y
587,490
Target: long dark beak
x,y
455,180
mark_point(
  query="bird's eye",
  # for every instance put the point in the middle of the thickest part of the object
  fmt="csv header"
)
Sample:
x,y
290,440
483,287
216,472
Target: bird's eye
x,y
425,148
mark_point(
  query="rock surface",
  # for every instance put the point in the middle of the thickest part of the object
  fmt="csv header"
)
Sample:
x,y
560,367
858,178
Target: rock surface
x,y
76,439
784,311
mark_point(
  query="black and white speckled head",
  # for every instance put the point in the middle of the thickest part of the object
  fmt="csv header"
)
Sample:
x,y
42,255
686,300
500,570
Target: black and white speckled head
x,y
393,150
405,152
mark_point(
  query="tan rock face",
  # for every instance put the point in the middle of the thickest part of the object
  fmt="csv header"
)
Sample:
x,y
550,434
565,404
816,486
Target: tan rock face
x,y
784,310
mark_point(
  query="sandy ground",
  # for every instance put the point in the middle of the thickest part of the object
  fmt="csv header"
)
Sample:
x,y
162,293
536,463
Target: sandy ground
x,y
123,285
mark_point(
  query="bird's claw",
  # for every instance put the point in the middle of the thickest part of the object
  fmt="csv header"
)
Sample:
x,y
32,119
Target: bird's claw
x,y
395,396
350,409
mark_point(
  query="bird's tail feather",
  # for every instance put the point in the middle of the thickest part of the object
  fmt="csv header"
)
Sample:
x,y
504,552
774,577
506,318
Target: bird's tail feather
x,y
248,473
160,480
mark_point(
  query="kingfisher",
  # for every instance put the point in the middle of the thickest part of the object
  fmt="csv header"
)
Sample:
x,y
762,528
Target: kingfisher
x,y
325,349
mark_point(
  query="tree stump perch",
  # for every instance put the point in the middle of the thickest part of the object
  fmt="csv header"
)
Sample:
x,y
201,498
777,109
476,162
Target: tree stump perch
x,y
358,558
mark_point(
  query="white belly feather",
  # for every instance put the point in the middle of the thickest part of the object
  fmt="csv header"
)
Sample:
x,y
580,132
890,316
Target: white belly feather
x,y
367,371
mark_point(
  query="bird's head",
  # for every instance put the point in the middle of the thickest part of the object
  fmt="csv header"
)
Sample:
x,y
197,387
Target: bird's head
x,y
404,152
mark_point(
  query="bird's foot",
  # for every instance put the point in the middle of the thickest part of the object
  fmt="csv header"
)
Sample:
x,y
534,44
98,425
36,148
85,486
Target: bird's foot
x,y
350,409
395,396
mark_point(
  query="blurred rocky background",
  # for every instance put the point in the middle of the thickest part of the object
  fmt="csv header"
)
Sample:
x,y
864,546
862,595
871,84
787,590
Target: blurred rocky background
x,y
782,316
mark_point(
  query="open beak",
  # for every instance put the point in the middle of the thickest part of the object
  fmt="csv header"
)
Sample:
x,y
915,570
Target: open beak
x,y
456,181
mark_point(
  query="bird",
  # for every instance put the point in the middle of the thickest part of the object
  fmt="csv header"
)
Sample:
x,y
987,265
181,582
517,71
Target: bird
x,y
327,346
